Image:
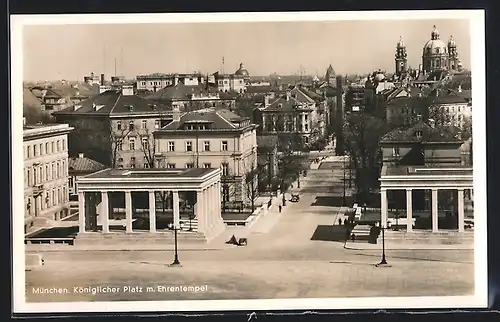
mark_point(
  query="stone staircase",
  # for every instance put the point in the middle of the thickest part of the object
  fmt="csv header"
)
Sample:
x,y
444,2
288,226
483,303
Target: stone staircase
x,y
139,238
428,237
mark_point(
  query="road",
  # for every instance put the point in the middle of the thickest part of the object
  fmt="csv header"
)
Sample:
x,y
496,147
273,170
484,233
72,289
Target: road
x,y
298,257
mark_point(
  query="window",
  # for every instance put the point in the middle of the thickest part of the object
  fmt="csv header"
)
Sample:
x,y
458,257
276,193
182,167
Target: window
x,y
132,159
171,165
35,150
119,125
119,146
157,124
306,127
131,143
64,144
225,168
189,146
58,168
189,127
395,151
120,159
120,166
223,146
171,146
418,134
53,171
146,165
41,149
47,148
144,124
52,148
46,173
225,192
189,165
70,181
34,176
145,143
131,125
206,146
207,165
58,145
29,177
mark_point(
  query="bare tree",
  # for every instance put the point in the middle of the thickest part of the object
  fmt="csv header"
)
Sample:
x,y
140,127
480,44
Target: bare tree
x,y
252,183
116,141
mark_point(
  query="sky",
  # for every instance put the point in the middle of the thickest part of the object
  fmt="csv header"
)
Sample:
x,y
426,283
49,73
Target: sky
x,y
53,52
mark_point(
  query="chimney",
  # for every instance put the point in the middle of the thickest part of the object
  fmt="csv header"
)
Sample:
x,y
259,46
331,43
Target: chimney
x,y
80,155
102,79
176,113
127,90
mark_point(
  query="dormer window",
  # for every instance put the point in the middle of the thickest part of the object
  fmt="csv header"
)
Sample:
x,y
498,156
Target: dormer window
x,y
418,134
395,151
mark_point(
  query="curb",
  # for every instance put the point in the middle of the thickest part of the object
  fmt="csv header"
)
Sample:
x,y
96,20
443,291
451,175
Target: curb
x,y
122,249
412,247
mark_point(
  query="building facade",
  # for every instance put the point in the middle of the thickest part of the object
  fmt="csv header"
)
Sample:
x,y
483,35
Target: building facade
x,y
211,138
80,166
45,173
115,128
291,113
155,82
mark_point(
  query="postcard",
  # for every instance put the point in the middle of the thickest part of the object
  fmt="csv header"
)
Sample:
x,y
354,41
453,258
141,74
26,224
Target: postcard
x,y
249,161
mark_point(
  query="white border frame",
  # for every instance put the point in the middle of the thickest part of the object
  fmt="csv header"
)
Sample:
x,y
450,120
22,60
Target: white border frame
x,y
479,300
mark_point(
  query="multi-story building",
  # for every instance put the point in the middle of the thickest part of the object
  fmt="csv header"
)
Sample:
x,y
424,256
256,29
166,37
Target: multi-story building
x,y
155,82
211,138
452,107
115,127
45,173
267,159
193,97
293,113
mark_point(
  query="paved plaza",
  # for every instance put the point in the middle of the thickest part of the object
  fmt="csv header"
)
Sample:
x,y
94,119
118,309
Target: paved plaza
x,y
288,256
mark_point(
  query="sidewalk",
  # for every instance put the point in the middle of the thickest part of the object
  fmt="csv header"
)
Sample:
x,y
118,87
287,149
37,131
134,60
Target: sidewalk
x,y
35,248
398,246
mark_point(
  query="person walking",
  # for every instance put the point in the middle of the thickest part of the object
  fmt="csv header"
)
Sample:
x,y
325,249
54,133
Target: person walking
x,y
340,222
279,208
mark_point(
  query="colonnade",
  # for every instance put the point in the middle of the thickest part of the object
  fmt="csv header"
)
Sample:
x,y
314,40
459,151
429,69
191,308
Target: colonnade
x,y
434,208
207,208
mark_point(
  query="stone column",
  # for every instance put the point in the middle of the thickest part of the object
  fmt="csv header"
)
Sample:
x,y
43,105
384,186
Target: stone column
x,y
199,211
81,211
383,208
409,210
128,211
435,218
152,212
206,212
175,210
104,212
461,214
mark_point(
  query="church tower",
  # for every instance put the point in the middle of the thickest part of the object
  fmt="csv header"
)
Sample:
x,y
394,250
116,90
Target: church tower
x,y
401,58
453,59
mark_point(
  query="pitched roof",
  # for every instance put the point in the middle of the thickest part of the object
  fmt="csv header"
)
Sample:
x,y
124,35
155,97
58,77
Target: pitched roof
x,y
84,164
282,104
300,95
113,102
429,134
258,89
452,96
221,119
29,99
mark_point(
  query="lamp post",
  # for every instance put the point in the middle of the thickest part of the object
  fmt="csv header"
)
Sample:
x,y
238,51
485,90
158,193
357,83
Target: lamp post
x,y
383,261
176,254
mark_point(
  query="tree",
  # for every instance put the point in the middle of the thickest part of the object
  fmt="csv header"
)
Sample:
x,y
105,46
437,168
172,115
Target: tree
x,y
362,135
252,184
116,138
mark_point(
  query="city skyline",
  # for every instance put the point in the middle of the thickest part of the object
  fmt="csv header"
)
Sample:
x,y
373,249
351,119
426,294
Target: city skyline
x,y
134,48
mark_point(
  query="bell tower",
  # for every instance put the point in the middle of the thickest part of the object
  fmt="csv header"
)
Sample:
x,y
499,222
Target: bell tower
x,y
453,60
401,58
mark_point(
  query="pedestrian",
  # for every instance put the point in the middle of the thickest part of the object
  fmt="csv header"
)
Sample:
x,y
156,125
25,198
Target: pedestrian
x,y
279,208
345,221
340,222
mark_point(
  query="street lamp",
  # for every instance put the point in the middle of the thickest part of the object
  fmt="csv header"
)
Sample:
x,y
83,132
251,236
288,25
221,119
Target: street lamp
x,y
343,198
176,255
383,262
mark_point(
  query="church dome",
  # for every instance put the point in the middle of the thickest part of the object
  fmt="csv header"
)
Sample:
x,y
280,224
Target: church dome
x,y
242,71
435,45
